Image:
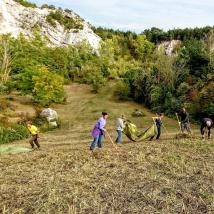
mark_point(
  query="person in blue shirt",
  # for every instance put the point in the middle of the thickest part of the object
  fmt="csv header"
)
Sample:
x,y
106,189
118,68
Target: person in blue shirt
x,y
99,131
158,122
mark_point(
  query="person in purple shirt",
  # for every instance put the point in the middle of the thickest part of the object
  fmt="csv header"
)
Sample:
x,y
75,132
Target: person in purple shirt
x,y
99,131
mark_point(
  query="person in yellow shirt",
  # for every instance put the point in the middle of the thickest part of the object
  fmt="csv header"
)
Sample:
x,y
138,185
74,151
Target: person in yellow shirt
x,y
34,131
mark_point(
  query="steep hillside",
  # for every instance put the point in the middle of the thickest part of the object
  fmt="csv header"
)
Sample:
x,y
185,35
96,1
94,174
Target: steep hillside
x,y
60,27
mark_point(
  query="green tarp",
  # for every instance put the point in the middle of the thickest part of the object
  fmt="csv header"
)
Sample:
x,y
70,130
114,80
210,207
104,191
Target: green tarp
x,y
13,150
134,134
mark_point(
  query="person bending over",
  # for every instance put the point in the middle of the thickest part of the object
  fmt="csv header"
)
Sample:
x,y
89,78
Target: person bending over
x,y
34,131
185,124
206,124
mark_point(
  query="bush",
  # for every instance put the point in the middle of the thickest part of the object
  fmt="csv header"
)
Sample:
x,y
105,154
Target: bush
x,y
68,11
15,132
26,3
122,91
24,80
51,7
62,19
97,82
48,87
51,21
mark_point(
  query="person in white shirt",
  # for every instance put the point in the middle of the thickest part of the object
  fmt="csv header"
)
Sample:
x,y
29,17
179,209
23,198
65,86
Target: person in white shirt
x,y
119,128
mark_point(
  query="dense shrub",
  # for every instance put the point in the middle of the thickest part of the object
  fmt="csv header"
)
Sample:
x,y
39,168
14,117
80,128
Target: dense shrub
x,y
122,91
26,3
52,7
63,19
45,87
15,132
48,87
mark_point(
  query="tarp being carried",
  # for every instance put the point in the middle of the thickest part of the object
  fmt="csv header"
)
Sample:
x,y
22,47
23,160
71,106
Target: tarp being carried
x,y
133,134
13,150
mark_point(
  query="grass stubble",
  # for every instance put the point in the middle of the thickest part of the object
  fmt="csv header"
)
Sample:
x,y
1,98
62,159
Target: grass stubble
x,y
169,176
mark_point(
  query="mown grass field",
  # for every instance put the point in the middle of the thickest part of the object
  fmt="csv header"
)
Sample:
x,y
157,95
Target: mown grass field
x,y
166,176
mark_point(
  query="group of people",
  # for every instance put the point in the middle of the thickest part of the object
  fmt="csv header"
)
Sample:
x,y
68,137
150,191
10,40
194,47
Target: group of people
x,y
206,124
99,130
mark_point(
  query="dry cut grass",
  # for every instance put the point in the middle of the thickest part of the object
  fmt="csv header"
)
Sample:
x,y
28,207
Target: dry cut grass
x,y
169,176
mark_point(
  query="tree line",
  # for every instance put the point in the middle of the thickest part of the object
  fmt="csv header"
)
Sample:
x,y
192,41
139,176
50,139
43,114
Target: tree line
x,y
147,75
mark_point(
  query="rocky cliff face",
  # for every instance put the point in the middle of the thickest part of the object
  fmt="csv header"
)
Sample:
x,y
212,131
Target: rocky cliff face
x,y
16,19
170,46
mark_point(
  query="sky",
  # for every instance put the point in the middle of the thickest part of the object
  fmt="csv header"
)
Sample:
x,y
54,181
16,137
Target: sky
x,y
138,15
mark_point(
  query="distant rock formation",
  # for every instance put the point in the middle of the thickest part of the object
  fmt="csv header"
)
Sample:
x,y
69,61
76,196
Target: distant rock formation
x,y
170,46
16,18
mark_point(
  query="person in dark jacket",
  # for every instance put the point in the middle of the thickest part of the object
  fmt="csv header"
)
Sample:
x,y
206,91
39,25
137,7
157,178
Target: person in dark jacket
x,y
184,124
206,124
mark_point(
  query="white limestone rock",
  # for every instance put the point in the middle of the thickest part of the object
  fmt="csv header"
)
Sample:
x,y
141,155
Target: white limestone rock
x,y
16,19
51,116
169,46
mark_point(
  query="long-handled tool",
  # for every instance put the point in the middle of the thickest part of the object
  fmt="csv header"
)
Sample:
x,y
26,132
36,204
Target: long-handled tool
x,y
111,139
167,133
162,124
179,123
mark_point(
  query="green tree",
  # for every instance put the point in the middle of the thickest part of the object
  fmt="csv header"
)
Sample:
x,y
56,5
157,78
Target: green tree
x,y
48,87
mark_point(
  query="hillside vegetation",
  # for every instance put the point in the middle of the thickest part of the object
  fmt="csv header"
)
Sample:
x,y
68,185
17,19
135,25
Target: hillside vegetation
x,y
31,67
187,74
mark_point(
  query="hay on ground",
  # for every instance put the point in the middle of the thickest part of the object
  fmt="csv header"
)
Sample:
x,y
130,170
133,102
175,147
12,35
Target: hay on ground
x,y
13,150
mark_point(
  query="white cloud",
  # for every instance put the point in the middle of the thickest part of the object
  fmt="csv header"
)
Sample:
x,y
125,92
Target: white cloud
x,y
138,15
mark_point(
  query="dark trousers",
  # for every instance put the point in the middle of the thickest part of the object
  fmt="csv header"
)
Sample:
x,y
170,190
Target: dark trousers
x,y
34,139
185,126
203,129
159,133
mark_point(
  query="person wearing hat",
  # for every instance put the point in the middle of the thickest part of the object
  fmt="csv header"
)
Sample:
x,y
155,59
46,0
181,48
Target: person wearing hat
x,y
119,128
99,131
206,124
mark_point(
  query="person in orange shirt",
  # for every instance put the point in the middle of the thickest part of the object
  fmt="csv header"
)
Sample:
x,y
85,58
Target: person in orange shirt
x,y
34,131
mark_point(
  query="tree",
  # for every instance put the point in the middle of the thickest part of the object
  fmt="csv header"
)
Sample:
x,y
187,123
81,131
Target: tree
x,y
143,49
48,87
209,42
196,58
5,59
166,73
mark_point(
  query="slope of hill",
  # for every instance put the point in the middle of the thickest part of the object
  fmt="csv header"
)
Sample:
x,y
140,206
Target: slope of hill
x,y
169,176
60,27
